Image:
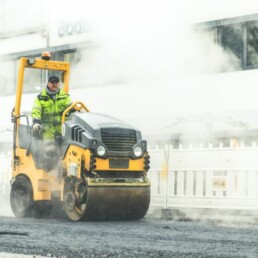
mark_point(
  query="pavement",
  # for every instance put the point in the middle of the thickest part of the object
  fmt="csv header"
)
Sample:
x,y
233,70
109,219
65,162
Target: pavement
x,y
223,216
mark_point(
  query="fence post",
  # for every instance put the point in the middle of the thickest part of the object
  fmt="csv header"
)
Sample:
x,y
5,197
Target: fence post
x,y
164,175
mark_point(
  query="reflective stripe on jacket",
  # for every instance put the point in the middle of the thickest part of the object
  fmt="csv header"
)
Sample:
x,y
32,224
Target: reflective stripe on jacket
x,y
48,112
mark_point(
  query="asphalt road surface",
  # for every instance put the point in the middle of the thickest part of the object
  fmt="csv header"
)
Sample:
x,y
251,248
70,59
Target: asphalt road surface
x,y
145,238
162,233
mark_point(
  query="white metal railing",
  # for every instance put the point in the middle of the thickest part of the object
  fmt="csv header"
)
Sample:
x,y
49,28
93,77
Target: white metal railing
x,y
204,177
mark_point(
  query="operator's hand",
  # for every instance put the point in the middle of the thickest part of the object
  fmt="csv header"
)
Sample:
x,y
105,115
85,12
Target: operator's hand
x,y
37,129
70,112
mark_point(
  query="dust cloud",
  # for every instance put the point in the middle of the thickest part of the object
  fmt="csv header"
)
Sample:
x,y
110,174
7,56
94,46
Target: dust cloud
x,y
150,64
5,209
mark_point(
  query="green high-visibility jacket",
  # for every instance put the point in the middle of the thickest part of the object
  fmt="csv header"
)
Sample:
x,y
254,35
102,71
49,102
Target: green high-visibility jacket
x,y
48,112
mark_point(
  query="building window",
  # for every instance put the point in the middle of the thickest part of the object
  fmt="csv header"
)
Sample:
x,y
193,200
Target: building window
x,y
252,43
231,39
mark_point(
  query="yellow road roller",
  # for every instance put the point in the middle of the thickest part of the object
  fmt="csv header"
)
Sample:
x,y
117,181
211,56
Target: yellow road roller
x,y
98,173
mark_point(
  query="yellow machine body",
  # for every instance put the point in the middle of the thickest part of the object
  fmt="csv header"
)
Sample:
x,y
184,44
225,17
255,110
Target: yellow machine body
x,y
89,185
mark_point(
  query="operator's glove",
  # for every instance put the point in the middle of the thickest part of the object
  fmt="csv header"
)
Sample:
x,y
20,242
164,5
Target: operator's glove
x,y
70,112
37,129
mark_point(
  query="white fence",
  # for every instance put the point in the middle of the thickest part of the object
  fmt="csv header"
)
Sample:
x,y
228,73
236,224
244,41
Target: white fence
x,y
205,177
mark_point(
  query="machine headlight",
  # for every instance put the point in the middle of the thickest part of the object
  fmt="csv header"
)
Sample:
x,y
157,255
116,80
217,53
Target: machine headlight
x,y
101,151
137,151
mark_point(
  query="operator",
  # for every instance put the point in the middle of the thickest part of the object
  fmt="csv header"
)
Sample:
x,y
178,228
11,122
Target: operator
x,y
47,110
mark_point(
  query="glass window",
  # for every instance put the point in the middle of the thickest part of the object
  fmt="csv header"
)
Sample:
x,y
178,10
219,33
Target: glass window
x,y
252,43
231,39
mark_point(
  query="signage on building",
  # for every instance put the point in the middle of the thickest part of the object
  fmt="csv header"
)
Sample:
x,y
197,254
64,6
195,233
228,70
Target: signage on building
x,y
72,28
72,32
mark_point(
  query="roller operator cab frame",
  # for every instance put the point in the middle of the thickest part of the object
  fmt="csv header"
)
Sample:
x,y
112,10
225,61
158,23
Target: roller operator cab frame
x,y
97,170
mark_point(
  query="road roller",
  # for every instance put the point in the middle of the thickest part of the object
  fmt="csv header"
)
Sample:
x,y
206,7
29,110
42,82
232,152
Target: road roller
x,y
95,170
